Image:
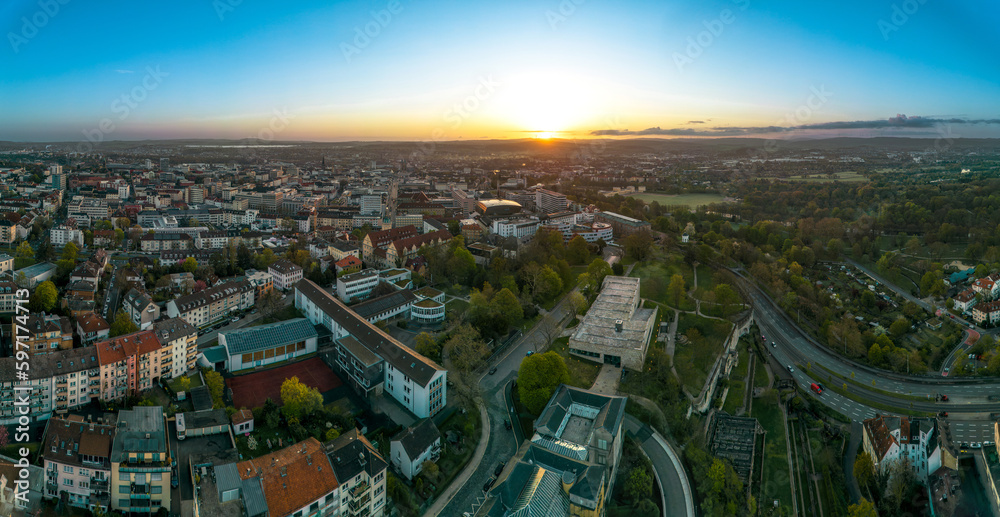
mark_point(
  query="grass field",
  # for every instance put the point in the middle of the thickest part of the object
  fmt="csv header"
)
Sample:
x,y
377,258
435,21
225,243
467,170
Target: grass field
x,y
690,200
693,361
823,178
654,276
775,480
581,372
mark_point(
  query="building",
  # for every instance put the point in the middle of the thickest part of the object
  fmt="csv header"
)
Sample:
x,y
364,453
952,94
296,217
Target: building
x,y
520,228
20,502
965,300
31,276
44,333
382,238
76,457
60,380
348,264
140,461
213,304
361,471
620,224
262,282
242,421
616,329
130,364
429,307
8,232
888,439
398,251
413,446
986,313
357,286
548,202
340,249
203,422
285,274
91,328
262,345
61,235
140,308
179,346
497,207
6,263
988,286
296,481
161,241
418,383
8,296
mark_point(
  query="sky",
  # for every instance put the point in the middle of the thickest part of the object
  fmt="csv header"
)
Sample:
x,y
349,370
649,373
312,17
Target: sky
x,y
440,70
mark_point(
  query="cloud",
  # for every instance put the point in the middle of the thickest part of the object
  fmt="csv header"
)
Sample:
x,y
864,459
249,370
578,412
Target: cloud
x,y
120,71
696,122
898,122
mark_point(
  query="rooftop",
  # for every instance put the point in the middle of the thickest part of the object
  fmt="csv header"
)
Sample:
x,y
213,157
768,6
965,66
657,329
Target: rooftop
x,y
262,337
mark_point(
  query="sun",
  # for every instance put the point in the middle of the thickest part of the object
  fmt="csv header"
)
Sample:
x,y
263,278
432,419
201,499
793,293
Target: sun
x,y
545,135
546,104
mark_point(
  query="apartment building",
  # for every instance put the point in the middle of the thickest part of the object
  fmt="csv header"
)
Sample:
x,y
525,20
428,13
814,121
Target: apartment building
x,y
91,328
888,439
140,462
179,342
45,333
548,201
65,379
8,296
61,235
206,307
361,471
357,286
262,282
418,383
129,364
296,481
166,241
285,274
76,458
140,308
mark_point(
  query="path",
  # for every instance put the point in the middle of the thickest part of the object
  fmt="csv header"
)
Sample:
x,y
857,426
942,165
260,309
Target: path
x,y
678,500
791,468
470,467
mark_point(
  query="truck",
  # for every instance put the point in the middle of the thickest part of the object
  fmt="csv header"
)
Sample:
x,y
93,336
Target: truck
x,y
815,387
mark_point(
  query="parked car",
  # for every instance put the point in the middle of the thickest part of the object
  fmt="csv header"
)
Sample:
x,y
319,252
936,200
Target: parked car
x,y
506,424
489,484
499,469
943,414
493,370
774,345
529,353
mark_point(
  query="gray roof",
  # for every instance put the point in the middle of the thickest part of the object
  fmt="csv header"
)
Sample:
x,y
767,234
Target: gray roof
x,y
205,418
418,438
173,328
140,429
215,354
200,398
226,478
346,453
262,337
384,303
253,497
596,411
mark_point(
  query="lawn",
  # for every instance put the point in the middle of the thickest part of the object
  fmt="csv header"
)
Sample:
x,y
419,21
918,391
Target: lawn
x,y
774,484
760,376
695,359
734,399
582,373
195,382
689,200
654,277
826,456
823,178
456,307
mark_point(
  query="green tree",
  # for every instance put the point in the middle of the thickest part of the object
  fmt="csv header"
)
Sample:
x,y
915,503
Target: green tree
x,y
506,307
538,377
45,297
638,245
465,348
183,383
864,471
70,251
461,266
676,290
598,269
24,251
428,347
190,265
638,485
122,325
578,302
299,400
331,434
548,284
577,250
726,296
899,327
864,508
216,387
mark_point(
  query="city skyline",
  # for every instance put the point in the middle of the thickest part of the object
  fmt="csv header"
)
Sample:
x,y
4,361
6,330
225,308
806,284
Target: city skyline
x,y
394,70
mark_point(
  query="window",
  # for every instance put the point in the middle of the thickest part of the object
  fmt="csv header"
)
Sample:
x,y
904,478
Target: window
x,y
123,503
156,489
67,469
157,476
68,482
313,507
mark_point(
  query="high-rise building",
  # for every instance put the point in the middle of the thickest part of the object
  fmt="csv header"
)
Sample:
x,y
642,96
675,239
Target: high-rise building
x,y
550,202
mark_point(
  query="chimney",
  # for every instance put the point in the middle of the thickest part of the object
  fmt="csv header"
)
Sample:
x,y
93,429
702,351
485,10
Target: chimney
x,y
618,325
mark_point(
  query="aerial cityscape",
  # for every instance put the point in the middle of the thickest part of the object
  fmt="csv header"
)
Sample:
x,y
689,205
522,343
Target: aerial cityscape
x,y
527,259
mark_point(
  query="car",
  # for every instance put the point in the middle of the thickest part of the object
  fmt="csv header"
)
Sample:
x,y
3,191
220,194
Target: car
x,y
493,370
943,414
774,345
816,388
790,369
529,353
489,484
499,469
506,424
944,398
977,445
173,482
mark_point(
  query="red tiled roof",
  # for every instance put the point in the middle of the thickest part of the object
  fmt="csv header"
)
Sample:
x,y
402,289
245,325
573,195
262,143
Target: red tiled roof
x,y
92,323
135,344
292,477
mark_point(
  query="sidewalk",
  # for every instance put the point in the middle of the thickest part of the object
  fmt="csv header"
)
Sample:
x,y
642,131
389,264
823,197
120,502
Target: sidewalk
x,y
470,468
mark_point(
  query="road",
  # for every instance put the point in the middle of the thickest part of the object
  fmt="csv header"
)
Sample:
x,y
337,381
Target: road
x,y
677,497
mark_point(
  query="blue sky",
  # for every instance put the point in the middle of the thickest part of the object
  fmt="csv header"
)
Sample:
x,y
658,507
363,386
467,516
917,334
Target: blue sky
x,y
449,70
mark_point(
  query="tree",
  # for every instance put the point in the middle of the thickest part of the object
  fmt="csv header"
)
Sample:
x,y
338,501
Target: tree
x,y
577,250
638,245
70,251
578,302
430,469
864,508
726,296
465,348
598,269
331,434
122,325
183,383
676,290
461,265
217,387
506,307
899,327
639,485
190,265
864,471
548,284
538,377
428,347
299,400
45,297
24,251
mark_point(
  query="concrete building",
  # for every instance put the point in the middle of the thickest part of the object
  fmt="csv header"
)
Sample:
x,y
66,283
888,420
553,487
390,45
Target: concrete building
x,y
413,380
140,462
91,328
620,224
253,347
6,263
549,202
130,364
357,286
285,274
179,346
616,329
61,235
521,228
31,276
140,308
213,304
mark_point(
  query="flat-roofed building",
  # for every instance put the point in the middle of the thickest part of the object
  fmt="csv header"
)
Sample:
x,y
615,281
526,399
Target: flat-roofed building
x,y
616,329
357,286
621,225
548,201
262,345
140,462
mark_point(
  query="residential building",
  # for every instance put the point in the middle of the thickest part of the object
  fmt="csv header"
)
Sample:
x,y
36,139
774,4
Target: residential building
x,y
179,346
340,249
987,313
8,296
61,235
361,471
16,500
166,241
965,300
548,202
253,347
296,481
382,238
8,232
357,286
140,462
413,446
348,264
45,333
76,457
262,282
91,328
616,329
285,274
399,250
6,263
415,381
130,364
206,307
518,227
242,421
888,439
140,308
